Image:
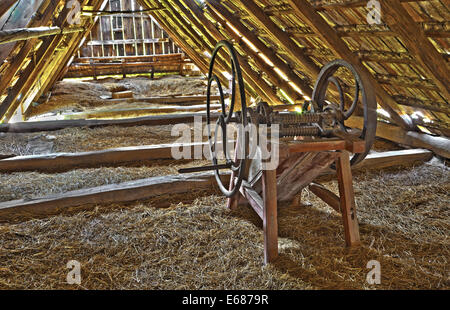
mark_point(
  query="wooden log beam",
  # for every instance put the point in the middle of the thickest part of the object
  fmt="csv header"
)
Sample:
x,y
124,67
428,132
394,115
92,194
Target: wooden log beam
x,y
148,188
109,157
21,34
5,5
439,145
308,14
417,43
154,120
106,194
394,158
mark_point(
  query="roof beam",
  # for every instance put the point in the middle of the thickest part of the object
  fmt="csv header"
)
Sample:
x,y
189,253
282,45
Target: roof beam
x,y
5,5
42,59
62,59
18,60
423,51
308,14
439,145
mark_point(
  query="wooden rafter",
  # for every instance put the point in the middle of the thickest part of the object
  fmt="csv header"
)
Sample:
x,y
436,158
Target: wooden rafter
x,y
29,77
65,56
308,14
423,51
5,5
280,36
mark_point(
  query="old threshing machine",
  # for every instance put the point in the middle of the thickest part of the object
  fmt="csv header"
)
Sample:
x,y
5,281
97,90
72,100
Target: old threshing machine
x,y
310,143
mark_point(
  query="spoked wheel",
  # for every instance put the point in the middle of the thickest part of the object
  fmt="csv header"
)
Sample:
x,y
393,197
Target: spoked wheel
x,y
364,93
237,165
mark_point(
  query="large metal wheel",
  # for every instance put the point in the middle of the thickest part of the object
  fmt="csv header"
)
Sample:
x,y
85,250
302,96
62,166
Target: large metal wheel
x,y
364,93
237,166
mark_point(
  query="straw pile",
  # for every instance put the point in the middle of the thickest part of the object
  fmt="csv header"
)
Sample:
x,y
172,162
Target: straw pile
x,y
199,244
28,185
82,139
79,95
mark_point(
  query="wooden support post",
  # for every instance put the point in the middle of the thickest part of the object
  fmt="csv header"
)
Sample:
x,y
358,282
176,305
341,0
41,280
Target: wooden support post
x,y
270,219
347,199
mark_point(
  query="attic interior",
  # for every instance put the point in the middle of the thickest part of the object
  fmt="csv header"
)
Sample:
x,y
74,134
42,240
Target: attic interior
x,y
94,96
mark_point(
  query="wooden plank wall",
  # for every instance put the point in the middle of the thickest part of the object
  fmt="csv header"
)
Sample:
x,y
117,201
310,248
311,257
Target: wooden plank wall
x,y
125,35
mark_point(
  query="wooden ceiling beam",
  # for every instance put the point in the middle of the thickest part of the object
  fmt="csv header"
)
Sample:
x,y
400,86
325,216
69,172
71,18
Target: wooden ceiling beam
x,y
309,15
417,43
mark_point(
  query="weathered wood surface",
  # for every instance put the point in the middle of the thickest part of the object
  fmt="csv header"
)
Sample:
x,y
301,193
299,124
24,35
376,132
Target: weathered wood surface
x,y
154,120
439,145
112,193
299,170
270,218
326,195
67,161
133,112
122,94
347,199
20,34
5,5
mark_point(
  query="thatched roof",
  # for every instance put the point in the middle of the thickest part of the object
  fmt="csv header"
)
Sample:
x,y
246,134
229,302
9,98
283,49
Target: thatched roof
x,y
283,45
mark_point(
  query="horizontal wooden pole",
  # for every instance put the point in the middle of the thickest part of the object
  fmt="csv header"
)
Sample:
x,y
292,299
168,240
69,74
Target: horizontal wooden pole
x,y
113,193
439,145
67,161
20,34
153,120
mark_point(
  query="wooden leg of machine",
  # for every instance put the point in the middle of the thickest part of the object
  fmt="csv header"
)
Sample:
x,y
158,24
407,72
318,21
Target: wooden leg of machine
x,y
270,223
347,199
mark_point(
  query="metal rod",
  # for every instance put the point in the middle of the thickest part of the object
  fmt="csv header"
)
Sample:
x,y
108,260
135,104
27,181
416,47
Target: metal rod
x,y
205,168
